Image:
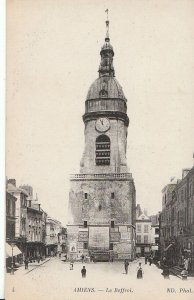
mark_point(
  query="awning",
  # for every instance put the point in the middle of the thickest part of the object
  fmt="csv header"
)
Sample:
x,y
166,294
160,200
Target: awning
x,y
8,249
167,247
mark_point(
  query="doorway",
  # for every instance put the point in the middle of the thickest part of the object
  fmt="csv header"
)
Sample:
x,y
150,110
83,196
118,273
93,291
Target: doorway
x,y
142,251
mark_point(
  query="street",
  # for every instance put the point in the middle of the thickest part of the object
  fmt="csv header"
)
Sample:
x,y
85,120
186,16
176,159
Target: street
x,y
54,280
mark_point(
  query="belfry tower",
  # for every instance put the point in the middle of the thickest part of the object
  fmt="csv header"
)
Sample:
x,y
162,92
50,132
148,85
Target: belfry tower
x,y
101,215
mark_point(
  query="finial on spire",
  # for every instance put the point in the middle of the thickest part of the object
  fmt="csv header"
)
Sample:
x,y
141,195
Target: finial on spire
x,y
107,27
107,13
106,65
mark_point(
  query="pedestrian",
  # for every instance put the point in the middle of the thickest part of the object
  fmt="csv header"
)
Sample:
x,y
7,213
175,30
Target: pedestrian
x,y
82,258
38,258
111,258
166,272
146,259
26,263
186,263
184,274
71,266
126,264
83,271
139,272
164,261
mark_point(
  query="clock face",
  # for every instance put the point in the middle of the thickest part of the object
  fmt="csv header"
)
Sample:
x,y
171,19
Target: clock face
x,y
102,124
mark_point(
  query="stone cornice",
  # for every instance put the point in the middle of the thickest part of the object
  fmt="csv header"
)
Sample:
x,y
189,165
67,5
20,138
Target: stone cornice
x,y
103,177
109,114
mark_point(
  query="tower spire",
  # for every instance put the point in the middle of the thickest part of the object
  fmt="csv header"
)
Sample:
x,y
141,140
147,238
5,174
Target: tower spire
x,y
107,39
106,65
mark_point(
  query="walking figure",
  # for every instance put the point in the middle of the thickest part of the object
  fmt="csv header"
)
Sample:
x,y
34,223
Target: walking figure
x,y
71,266
139,272
146,259
164,261
82,257
186,264
166,272
126,263
26,263
184,274
150,260
83,271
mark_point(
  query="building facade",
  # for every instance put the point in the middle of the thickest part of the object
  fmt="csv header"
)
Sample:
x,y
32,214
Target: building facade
x,y
53,231
62,238
101,216
29,231
34,243
44,220
177,220
155,235
143,235
20,213
35,237
10,217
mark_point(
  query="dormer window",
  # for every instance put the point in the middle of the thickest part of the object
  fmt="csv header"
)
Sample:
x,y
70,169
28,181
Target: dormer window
x,y
103,93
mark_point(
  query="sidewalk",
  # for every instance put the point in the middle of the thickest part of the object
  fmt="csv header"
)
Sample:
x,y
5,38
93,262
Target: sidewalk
x,y
31,267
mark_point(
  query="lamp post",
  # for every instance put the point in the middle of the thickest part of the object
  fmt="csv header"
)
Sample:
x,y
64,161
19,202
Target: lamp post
x,y
12,261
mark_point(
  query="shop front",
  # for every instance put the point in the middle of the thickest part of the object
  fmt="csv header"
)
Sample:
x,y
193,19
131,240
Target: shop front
x,y
14,257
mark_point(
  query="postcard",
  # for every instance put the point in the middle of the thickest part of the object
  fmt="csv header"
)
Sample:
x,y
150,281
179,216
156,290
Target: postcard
x,y
99,150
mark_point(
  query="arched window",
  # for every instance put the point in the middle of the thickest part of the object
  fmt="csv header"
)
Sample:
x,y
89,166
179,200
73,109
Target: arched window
x,y
102,150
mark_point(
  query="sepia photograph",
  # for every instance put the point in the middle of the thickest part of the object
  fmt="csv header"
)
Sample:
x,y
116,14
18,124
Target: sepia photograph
x,y
99,172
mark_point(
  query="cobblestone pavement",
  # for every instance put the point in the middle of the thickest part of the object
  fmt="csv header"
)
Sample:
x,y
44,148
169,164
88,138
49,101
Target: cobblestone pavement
x,y
53,280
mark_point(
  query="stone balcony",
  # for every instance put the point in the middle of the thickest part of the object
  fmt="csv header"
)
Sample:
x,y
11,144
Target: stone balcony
x,y
104,176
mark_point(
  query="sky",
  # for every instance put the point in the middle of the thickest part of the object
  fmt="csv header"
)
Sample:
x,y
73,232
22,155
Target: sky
x,y
53,54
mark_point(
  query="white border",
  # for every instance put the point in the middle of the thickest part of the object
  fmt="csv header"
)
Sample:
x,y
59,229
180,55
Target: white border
x,y
2,146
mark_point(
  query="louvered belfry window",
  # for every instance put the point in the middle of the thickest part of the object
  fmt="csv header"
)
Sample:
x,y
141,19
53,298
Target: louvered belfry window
x,y
102,150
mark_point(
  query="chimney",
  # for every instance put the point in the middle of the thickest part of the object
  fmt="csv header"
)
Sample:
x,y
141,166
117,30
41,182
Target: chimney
x,y
12,181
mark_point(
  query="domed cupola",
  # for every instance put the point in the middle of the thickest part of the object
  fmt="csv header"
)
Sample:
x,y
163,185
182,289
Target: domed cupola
x,y
105,95
106,86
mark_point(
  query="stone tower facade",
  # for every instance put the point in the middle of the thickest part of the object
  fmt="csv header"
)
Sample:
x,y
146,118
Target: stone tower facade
x,y
101,214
